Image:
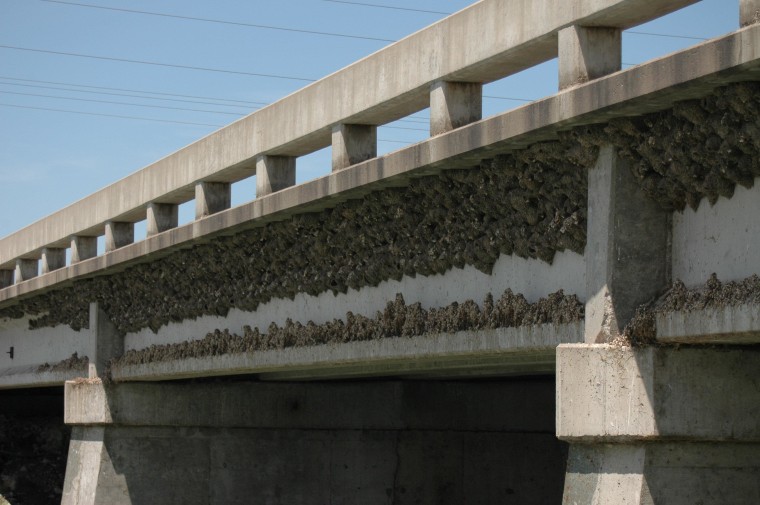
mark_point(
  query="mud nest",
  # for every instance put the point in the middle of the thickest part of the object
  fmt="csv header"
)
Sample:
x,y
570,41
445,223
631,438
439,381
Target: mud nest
x,y
397,320
711,295
74,362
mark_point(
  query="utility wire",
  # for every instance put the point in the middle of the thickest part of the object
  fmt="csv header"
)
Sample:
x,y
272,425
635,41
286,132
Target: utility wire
x,y
107,115
666,35
121,103
388,7
247,102
219,21
157,64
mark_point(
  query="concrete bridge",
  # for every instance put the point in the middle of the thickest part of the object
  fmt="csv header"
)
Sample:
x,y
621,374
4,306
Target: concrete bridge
x,y
519,309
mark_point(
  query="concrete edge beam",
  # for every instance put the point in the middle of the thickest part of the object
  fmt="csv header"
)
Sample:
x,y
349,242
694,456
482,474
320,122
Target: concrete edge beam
x,y
274,173
212,198
587,53
527,345
161,217
118,235
352,144
29,377
454,104
389,405
726,325
83,248
645,88
610,394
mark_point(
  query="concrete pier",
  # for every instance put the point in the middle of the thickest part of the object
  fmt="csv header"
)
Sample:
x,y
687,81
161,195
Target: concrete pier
x,y
26,269
352,144
119,234
161,217
212,197
83,248
53,258
587,53
454,104
274,173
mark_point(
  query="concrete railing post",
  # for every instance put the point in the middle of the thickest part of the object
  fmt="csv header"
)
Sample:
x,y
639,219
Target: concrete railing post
x,y
161,217
83,248
749,12
119,234
6,278
26,269
352,144
587,53
274,173
212,197
454,104
626,248
53,258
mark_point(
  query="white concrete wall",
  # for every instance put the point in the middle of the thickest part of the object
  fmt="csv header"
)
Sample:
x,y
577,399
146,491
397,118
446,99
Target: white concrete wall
x,y
36,347
724,238
533,278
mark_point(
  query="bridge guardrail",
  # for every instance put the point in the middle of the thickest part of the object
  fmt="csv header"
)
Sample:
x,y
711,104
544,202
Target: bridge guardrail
x,y
439,66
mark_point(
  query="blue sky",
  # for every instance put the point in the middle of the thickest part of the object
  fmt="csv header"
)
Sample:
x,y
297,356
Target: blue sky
x,y
51,159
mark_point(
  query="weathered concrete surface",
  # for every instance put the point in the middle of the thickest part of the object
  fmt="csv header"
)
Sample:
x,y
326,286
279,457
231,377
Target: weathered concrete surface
x,y
161,217
726,325
587,53
274,173
30,377
454,104
723,238
619,394
352,144
626,249
53,258
652,83
119,234
25,269
211,198
504,351
368,442
83,248
33,348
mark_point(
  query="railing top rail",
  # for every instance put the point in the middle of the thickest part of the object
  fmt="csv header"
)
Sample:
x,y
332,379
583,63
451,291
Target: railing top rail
x,y
512,35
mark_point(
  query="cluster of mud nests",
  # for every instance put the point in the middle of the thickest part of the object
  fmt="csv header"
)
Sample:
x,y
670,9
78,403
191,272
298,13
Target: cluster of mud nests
x,y
33,454
530,203
397,320
75,362
713,294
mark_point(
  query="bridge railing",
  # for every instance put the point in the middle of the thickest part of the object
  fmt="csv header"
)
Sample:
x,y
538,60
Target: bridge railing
x,y
443,66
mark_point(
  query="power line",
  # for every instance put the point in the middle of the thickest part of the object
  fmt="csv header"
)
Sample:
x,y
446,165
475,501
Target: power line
x,y
652,34
247,102
121,103
157,64
393,7
508,98
219,21
108,115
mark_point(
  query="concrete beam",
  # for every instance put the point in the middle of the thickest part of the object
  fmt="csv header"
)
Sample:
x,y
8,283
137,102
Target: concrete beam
x,y
274,173
6,278
106,341
26,269
726,325
52,259
212,197
161,217
626,247
352,144
587,53
454,104
83,248
119,234
653,86
528,349
749,12
609,394
28,377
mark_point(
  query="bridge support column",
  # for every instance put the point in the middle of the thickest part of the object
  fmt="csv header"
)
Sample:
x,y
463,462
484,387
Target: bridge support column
x,y
212,197
6,278
161,217
627,253
274,173
749,12
53,258
659,425
26,269
119,234
83,248
352,144
313,443
454,104
106,342
587,53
